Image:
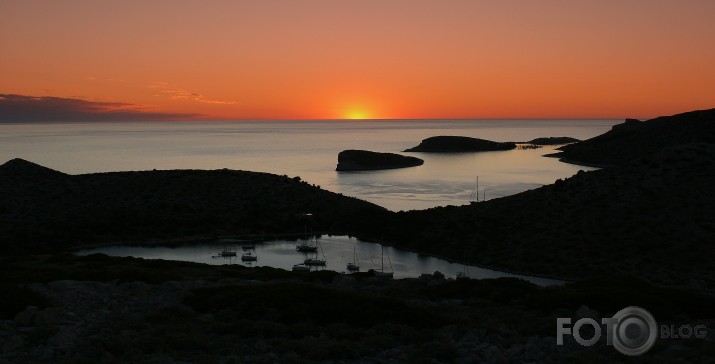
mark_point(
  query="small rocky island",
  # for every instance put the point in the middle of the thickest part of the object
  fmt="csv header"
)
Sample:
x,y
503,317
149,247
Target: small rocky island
x,y
458,144
363,160
553,141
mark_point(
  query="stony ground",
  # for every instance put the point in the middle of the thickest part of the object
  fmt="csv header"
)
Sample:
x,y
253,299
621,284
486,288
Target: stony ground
x,y
238,315
114,321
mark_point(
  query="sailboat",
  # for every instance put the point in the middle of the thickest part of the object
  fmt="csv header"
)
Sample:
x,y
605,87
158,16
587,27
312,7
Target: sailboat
x,y
301,268
249,257
474,197
315,261
354,267
381,272
464,274
305,246
227,252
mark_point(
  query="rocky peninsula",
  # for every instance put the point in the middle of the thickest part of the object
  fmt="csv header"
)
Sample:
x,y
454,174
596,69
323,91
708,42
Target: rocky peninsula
x,y
635,139
459,144
553,141
363,160
656,212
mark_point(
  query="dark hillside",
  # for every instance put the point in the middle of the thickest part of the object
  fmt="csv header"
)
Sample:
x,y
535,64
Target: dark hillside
x,y
48,211
635,139
652,218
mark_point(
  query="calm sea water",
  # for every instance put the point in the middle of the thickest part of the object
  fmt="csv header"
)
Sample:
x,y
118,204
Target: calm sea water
x,y
336,250
309,149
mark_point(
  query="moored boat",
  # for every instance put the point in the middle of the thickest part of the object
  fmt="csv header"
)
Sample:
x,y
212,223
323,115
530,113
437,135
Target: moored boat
x,y
301,268
381,273
315,262
227,252
306,248
353,266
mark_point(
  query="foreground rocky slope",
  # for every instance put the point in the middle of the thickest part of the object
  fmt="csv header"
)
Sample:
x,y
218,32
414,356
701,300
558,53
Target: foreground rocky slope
x,y
67,309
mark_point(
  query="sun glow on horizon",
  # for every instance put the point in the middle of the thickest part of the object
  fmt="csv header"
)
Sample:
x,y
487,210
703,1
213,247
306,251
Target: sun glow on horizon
x,y
357,114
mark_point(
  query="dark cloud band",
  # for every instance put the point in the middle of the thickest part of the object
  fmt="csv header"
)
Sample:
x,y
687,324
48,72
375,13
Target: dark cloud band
x,y
21,108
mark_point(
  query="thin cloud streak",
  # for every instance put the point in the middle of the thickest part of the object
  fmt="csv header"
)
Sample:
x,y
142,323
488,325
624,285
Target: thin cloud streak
x,y
176,93
22,108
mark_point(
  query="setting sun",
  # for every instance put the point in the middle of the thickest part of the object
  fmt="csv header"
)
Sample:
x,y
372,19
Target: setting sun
x,y
357,115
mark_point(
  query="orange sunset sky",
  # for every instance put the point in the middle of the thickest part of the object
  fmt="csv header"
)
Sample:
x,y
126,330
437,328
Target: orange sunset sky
x,y
306,59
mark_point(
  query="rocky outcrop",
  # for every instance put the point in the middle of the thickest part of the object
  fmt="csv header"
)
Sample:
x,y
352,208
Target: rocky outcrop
x,y
629,124
456,144
363,160
21,169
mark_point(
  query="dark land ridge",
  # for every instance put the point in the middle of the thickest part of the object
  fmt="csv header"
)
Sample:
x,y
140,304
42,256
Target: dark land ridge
x,y
44,210
457,144
363,160
651,218
634,139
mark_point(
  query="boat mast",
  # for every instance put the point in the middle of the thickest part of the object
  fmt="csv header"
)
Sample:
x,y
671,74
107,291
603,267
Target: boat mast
x,y
321,250
382,259
390,261
464,262
474,197
316,246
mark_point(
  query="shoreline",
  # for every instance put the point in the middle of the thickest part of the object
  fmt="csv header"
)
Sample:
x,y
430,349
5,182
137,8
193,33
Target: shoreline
x,y
198,240
574,162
